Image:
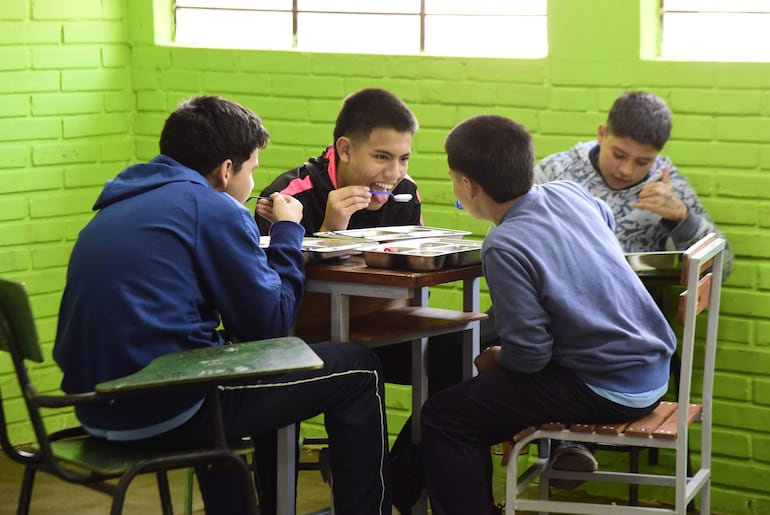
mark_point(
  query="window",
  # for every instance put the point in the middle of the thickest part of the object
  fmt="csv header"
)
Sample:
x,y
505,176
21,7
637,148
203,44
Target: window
x,y
716,30
482,28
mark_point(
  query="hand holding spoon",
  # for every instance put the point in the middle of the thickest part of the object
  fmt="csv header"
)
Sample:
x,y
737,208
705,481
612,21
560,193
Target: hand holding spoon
x,y
398,197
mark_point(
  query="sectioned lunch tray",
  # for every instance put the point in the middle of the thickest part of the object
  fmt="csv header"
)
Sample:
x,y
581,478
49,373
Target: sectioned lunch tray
x,y
393,233
423,254
653,264
321,249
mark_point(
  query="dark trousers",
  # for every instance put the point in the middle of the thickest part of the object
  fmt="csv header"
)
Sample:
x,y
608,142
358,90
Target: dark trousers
x,y
460,423
348,391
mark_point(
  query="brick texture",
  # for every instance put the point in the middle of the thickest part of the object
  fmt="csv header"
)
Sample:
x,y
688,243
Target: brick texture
x,y
85,91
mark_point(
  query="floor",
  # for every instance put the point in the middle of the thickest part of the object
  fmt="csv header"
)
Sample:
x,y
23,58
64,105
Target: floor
x,y
52,496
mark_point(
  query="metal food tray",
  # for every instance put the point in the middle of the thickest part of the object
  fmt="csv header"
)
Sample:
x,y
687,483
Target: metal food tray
x,y
665,263
422,255
393,233
321,249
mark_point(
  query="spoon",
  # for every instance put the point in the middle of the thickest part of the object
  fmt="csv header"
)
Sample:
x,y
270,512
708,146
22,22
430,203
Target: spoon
x,y
398,197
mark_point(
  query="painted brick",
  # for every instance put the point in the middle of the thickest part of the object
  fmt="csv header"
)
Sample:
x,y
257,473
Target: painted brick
x,y
31,232
763,215
115,56
298,132
14,11
525,116
149,80
743,129
763,333
252,84
117,150
435,115
26,180
738,473
732,387
410,91
14,58
745,361
762,449
95,80
742,76
324,111
272,108
323,87
747,303
763,276
522,71
150,124
14,105
29,129
731,155
30,33
95,125
695,127
574,99
116,9
62,57
65,153
428,166
546,144
29,81
94,175
713,101
553,122
736,330
424,69
729,211
61,204
354,65
277,62
118,102
94,32
13,261
13,208
206,59
665,74
55,10
66,103
761,392
151,101
74,224
150,57
14,156
50,256
590,73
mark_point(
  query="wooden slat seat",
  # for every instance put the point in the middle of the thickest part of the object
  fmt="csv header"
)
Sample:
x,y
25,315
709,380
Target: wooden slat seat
x,y
399,324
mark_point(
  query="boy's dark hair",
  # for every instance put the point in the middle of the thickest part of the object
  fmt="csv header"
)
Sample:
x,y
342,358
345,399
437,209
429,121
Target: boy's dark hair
x,y
495,152
206,130
641,116
373,108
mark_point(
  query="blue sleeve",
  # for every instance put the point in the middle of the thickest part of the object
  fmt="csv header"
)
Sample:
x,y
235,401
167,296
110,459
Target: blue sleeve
x,y
257,294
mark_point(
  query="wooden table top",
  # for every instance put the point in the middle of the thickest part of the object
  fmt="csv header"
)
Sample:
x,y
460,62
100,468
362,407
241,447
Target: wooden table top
x,y
354,269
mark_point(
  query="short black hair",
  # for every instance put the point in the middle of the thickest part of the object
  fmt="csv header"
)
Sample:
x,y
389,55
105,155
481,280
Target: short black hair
x,y
641,116
494,151
373,108
206,130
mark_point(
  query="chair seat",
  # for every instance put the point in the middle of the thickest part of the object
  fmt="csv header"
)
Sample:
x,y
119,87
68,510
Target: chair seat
x,y
109,459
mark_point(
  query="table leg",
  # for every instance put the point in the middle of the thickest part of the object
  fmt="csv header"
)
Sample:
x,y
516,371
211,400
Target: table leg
x,y
287,461
471,337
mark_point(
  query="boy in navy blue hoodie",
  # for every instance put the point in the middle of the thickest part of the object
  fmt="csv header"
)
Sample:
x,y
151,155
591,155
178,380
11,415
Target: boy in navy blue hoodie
x,y
170,255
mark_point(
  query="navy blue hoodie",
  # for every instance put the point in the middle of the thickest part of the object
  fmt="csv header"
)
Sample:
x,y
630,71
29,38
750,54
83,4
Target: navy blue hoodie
x,y
163,261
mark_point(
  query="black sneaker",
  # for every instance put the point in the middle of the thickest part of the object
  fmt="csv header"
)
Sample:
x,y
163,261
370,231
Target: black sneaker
x,y
572,456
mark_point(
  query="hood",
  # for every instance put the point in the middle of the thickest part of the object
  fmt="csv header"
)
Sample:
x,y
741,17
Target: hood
x,y
137,179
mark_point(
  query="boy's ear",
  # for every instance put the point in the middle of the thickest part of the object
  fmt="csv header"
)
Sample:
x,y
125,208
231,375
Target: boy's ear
x,y
601,132
471,186
343,146
221,175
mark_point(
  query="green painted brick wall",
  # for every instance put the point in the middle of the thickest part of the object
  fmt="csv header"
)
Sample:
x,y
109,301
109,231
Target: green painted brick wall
x,y
85,88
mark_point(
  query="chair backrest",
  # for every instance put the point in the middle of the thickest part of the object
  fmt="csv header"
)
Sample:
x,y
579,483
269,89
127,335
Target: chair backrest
x,y
17,325
702,266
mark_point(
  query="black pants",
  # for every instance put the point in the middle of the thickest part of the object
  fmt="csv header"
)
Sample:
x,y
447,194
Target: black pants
x,y
460,423
348,391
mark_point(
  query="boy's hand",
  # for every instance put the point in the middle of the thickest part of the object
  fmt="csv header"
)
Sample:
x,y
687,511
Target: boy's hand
x,y
280,208
342,203
660,198
488,359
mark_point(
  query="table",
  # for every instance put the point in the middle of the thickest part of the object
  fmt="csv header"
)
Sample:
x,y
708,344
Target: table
x,y
351,277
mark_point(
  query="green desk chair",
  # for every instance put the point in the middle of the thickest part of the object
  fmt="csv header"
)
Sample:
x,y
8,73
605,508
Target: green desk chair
x,y
73,456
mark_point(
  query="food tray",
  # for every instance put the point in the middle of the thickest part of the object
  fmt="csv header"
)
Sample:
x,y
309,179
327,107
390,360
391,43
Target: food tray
x,y
423,254
321,249
393,233
666,263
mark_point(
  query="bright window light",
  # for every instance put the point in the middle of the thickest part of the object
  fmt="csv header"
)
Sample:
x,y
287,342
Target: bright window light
x,y
716,30
482,28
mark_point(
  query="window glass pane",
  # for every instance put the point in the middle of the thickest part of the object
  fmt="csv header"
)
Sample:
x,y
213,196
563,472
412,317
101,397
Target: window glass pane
x,y
358,33
717,5
741,37
234,29
530,7
262,5
486,36
357,6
